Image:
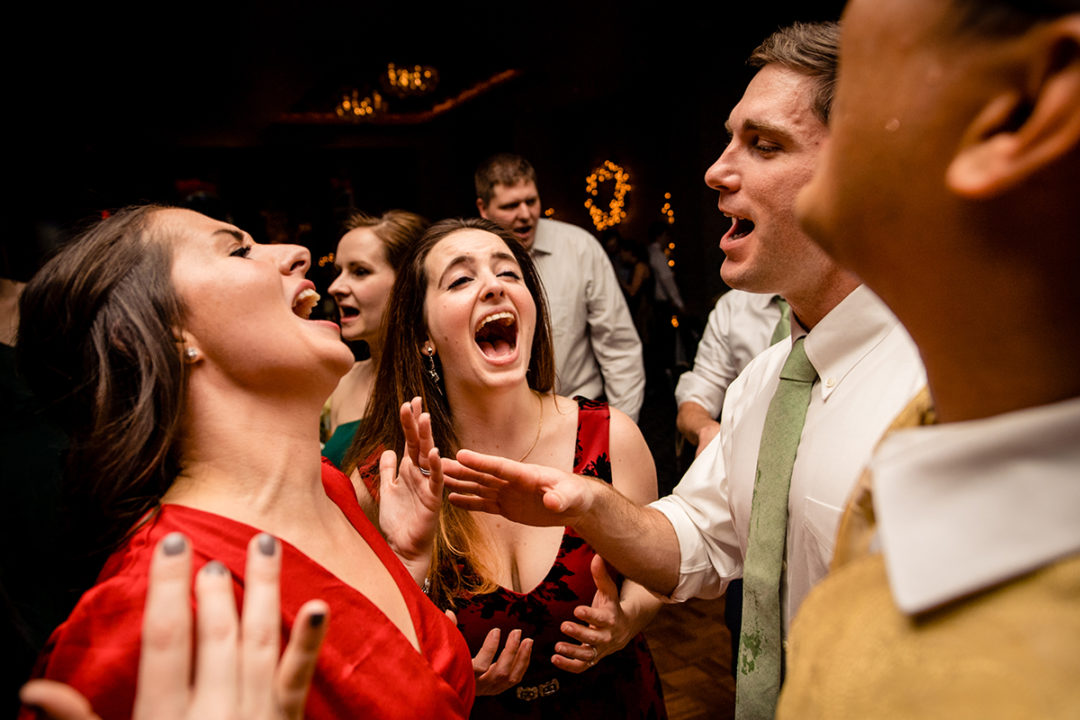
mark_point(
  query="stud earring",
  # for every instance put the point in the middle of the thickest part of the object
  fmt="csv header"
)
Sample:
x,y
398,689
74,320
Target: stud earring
x,y
190,355
431,366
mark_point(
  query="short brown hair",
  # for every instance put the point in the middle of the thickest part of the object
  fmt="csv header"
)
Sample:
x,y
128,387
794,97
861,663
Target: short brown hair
x,y
502,169
812,49
1007,17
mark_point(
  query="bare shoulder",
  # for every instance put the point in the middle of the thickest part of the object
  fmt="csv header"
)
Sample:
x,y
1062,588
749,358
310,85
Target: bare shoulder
x,y
633,471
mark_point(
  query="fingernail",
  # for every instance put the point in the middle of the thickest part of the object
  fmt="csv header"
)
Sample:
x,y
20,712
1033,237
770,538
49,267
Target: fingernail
x,y
215,568
316,619
267,544
173,544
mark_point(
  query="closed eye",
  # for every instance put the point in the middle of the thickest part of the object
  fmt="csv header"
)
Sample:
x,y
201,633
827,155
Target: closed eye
x,y
510,274
242,252
459,282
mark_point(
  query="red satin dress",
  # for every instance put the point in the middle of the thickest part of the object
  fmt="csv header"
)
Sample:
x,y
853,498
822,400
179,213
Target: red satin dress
x,y
366,669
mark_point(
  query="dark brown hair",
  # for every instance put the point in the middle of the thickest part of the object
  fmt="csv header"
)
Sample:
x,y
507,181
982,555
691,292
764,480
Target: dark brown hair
x,y
403,374
812,49
98,345
1000,18
502,169
397,229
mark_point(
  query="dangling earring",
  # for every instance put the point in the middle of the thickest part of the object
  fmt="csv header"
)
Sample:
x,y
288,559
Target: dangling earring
x,y
431,366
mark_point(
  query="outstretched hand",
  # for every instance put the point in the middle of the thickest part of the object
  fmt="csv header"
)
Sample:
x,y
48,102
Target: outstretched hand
x,y
237,669
608,630
410,495
528,494
494,676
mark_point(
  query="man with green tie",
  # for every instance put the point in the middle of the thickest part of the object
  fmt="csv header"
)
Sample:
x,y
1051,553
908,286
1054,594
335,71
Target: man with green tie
x,y
763,500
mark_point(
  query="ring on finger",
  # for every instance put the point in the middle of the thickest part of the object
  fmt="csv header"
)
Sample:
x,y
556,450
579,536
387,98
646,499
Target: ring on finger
x,y
424,471
595,654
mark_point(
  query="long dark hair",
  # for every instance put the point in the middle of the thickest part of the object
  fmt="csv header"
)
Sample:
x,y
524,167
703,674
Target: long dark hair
x,y
403,374
98,345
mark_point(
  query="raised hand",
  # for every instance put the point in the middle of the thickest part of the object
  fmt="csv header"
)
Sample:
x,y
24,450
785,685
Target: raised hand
x,y
410,495
528,494
237,670
609,629
494,676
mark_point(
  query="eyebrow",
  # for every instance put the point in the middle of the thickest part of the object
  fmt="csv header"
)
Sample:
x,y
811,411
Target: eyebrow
x,y
776,131
230,232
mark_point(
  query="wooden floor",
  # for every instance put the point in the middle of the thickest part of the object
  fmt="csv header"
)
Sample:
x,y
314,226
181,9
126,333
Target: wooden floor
x,y
692,650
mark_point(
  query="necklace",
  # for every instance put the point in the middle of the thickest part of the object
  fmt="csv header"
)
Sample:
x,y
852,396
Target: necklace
x,y
539,426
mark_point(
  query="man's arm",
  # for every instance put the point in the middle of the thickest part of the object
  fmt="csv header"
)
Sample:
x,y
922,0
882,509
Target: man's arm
x,y
615,343
639,541
696,424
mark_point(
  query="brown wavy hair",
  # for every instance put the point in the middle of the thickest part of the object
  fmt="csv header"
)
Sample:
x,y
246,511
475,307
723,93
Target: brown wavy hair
x,y
98,346
458,566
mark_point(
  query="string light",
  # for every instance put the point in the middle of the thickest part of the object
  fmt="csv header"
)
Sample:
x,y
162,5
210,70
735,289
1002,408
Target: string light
x,y
615,213
550,212
402,81
667,211
354,107
326,260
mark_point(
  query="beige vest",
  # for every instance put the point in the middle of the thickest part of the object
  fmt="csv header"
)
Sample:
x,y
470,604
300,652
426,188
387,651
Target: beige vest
x,y
1012,651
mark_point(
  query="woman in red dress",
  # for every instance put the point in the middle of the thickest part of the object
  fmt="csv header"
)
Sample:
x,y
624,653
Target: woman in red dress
x,y
181,357
470,334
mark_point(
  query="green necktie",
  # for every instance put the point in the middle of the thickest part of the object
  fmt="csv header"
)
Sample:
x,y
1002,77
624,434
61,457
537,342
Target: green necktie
x,y
783,325
760,644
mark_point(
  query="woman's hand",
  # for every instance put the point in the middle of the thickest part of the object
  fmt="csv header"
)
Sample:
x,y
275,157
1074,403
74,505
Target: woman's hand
x,y
410,495
494,676
237,670
609,628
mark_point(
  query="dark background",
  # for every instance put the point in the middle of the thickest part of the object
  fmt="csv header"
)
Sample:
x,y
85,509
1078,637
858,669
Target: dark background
x,y
115,104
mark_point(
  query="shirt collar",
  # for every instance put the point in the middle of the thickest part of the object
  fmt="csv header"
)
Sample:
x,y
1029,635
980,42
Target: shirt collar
x,y
542,241
845,336
962,507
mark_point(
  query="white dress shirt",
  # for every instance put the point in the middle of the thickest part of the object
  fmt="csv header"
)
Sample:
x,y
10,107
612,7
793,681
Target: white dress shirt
x,y
961,507
738,330
597,350
868,370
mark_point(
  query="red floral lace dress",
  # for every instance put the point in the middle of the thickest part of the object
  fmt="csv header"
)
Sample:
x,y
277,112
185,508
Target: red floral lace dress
x,y
622,685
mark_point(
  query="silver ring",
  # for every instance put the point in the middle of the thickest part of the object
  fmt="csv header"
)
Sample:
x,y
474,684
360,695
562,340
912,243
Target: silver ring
x,y
595,654
424,472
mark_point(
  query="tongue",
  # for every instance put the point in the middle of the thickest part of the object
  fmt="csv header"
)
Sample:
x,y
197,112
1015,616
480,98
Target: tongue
x,y
494,348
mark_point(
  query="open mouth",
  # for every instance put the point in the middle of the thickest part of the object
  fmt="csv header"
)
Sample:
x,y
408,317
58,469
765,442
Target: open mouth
x,y
740,227
523,231
348,313
497,335
304,303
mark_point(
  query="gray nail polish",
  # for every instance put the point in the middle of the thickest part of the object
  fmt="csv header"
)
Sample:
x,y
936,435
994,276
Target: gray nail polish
x,y
173,544
267,544
215,568
316,619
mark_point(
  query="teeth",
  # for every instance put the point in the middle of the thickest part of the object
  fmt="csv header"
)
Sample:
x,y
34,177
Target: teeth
x,y
305,302
493,318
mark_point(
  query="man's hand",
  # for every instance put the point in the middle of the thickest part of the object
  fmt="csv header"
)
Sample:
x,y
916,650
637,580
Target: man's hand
x,y
528,494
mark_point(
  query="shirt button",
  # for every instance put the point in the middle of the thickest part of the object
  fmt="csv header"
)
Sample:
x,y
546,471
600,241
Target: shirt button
x,y
829,382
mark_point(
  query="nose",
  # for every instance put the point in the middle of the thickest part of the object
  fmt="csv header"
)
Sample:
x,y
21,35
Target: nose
x,y
722,174
294,259
337,288
521,212
493,287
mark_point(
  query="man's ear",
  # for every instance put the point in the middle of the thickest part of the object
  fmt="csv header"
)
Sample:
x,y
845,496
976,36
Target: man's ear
x,y
1018,134
481,207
